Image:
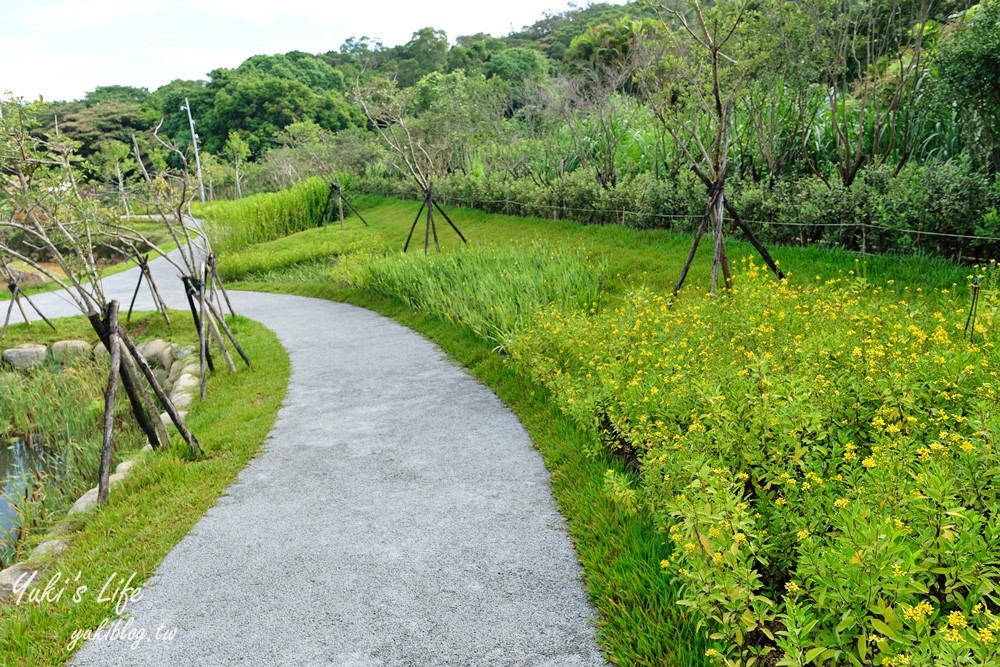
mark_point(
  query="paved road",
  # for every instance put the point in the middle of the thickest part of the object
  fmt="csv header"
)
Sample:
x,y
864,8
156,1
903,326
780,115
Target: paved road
x,y
398,515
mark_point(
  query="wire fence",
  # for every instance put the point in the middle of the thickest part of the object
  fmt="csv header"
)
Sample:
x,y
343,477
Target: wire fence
x,y
690,217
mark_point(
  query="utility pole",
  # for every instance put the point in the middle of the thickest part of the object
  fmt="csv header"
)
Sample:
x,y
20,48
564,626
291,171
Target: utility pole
x,y
194,140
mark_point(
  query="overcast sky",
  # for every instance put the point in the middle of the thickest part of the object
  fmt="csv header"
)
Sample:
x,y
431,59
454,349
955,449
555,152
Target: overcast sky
x,y
61,49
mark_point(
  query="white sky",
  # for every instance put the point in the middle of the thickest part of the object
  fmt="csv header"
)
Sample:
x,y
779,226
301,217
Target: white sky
x,y
60,49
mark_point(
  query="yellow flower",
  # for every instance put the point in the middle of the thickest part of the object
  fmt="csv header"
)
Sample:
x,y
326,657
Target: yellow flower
x,y
690,548
840,503
792,587
739,538
868,462
956,619
664,563
985,636
803,534
918,613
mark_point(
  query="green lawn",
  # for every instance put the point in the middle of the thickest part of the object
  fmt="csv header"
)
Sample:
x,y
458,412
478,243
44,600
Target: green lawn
x,y
164,495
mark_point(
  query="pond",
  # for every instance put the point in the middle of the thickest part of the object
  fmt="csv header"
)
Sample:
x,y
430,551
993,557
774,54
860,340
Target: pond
x,y
20,461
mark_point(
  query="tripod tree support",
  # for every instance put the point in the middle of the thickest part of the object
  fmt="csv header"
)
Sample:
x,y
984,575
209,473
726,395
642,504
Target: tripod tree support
x,y
338,197
142,407
15,298
147,275
107,446
431,227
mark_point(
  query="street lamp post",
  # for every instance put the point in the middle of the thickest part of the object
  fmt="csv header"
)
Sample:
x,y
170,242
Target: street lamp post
x,y
194,140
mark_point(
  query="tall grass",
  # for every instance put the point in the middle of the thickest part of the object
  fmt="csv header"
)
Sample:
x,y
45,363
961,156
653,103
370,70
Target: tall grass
x,y
234,225
62,410
495,291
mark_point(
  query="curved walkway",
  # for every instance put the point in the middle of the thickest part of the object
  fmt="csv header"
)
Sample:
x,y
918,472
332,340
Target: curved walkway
x,y
398,515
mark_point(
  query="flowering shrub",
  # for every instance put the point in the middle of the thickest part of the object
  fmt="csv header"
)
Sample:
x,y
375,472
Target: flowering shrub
x,y
824,457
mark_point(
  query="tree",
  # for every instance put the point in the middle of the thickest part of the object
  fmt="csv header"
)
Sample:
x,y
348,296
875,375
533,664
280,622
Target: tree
x,y
298,66
703,73
128,94
103,121
426,52
518,66
968,63
237,151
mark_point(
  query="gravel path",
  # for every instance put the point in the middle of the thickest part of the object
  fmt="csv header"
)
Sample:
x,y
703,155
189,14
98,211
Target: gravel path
x,y
398,515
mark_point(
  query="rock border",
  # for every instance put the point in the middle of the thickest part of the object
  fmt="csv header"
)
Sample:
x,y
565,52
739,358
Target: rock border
x,y
179,367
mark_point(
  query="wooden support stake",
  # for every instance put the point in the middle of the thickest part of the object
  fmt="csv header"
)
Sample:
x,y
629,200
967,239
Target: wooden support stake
x,y
138,284
190,290
37,311
142,409
10,310
356,211
107,447
414,225
340,205
457,230
225,327
221,343
222,288
161,395
702,226
203,334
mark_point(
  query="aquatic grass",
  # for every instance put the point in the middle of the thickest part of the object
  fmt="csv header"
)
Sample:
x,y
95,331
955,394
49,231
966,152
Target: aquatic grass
x,y
290,251
494,290
237,224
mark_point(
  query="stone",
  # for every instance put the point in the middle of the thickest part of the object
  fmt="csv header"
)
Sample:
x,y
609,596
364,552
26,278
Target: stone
x,y
53,547
70,349
88,501
125,467
11,577
160,375
26,357
167,358
153,351
182,400
101,352
85,503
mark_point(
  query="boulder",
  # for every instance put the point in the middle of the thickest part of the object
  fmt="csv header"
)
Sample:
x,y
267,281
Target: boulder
x,y
88,501
153,351
64,350
167,358
184,382
101,352
53,547
182,400
85,503
10,577
26,357
125,467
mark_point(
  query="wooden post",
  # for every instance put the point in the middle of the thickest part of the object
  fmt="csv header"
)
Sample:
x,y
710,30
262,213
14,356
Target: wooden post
x,y
107,447
415,220
218,281
141,406
340,205
222,322
161,395
138,284
10,308
190,290
203,335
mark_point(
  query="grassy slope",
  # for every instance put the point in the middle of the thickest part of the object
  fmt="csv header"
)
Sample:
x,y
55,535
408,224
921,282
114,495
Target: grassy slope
x,y
635,257
639,622
162,498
